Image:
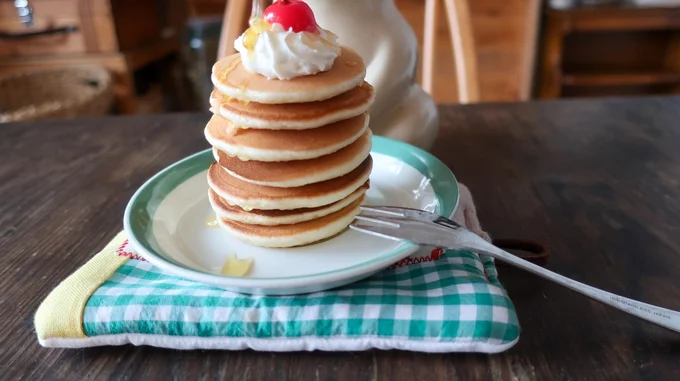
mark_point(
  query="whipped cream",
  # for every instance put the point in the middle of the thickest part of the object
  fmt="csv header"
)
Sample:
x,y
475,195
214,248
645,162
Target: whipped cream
x,y
284,54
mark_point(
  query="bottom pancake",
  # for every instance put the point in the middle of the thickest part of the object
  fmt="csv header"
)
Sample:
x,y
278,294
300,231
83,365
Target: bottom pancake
x,y
278,217
291,235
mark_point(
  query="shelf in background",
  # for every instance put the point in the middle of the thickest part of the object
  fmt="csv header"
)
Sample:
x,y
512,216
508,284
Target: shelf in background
x,y
623,78
617,49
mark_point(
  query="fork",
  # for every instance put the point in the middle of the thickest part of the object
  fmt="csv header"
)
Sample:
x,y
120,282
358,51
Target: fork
x,y
425,228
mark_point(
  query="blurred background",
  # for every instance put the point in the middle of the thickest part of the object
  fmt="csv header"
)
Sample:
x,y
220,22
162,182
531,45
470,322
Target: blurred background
x,y
92,57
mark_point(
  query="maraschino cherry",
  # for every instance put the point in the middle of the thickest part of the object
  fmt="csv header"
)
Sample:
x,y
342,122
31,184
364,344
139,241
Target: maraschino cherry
x,y
293,15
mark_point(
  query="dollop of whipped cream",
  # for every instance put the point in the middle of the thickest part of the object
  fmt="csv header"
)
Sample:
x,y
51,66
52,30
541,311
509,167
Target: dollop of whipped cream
x,y
283,54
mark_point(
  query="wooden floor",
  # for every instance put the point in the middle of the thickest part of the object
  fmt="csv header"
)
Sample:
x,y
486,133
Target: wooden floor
x,y
504,32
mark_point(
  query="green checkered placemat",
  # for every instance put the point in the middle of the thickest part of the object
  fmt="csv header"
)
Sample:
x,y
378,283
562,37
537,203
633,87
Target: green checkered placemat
x,y
434,301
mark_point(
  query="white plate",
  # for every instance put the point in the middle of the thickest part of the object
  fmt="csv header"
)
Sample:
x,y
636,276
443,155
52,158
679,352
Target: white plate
x,y
166,222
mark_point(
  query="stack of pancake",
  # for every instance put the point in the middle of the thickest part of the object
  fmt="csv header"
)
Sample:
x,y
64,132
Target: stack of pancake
x,y
292,157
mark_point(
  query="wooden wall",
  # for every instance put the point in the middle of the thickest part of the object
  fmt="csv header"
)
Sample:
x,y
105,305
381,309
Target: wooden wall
x,y
505,37
505,33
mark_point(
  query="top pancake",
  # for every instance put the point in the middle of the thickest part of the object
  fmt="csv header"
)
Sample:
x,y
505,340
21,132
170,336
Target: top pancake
x,y
232,79
294,116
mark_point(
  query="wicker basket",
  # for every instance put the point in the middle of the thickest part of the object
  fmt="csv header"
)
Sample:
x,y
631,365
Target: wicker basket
x,y
55,93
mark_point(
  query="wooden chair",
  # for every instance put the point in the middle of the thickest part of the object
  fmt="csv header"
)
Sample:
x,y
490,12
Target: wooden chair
x,y
235,21
462,41
457,13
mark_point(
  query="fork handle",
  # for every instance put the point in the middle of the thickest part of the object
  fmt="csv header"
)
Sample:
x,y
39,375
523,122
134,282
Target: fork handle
x,y
664,317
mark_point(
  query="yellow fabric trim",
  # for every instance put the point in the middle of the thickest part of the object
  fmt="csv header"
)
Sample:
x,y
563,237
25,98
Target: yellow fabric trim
x,y
60,315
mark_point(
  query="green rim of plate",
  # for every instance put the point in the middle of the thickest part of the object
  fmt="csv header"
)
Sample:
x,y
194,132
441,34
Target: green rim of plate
x,y
138,221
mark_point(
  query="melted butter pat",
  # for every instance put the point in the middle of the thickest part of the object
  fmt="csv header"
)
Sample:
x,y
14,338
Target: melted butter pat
x,y
309,39
211,222
328,43
236,267
257,26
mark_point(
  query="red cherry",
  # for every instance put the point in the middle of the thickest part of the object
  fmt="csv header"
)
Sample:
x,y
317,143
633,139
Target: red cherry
x,y
291,14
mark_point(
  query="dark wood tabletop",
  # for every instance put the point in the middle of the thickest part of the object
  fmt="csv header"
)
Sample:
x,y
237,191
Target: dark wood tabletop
x,y
597,181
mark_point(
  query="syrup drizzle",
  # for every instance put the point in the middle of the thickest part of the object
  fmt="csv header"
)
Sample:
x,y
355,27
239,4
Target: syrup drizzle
x,y
229,68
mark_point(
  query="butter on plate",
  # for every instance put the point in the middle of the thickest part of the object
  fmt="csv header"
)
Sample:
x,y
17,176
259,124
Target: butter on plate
x,y
236,267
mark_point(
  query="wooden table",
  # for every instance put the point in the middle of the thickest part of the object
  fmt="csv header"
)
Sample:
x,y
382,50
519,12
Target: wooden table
x,y
598,181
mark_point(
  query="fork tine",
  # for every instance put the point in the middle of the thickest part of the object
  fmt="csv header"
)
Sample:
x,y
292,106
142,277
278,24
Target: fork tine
x,y
380,221
388,210
380,231
395,213
398,212
418,232
417,226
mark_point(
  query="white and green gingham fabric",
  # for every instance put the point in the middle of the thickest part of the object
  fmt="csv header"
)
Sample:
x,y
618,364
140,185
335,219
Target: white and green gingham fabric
x,y
434,301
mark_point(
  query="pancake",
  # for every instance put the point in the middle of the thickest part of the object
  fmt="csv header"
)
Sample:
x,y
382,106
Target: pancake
x,y
232,79
279,217
284,145
294,234
294,116
297,173
251,196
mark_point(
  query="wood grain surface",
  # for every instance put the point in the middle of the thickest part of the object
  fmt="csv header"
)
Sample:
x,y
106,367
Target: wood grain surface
x,y
597,181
